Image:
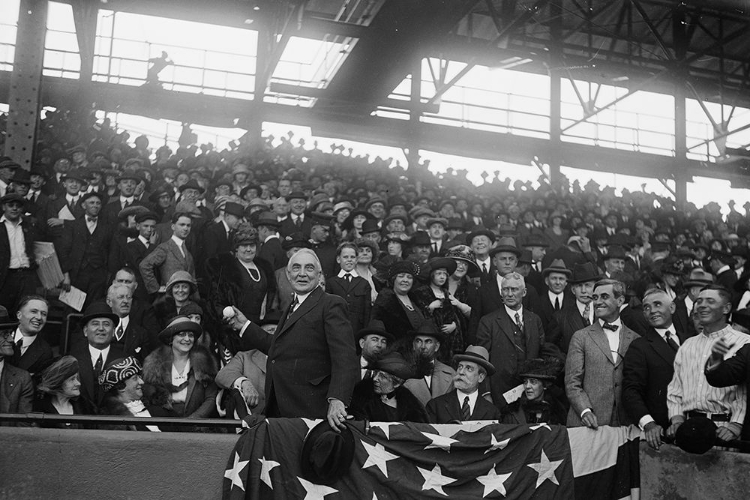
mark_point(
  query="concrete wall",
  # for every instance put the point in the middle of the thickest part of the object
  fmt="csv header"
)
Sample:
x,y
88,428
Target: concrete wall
x,y
78,465
59,464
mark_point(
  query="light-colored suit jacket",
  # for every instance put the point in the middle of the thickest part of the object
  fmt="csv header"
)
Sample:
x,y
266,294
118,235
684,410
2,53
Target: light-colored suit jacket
x,y
168,258
593,379
442,382
251,365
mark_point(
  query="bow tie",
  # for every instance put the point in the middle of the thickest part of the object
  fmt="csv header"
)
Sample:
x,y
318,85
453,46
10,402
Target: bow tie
x,y
610,327
91,219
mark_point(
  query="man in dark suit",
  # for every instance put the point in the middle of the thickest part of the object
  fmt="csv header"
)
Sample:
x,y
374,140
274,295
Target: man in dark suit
x,y
320,243
16,388
465,403
37,200
593,368
580,313
725,372
480,240
93,355
297,221
649,368
555,298
131,337
31,352
696,280
137,250
84,250
537,244
512,334
269,243
17,263
312,363
372,341
722,266
66,206
217,236
126,184
169,257
348,285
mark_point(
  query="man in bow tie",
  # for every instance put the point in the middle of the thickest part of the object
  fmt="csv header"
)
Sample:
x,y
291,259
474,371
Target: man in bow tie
x,y
594,366
84,250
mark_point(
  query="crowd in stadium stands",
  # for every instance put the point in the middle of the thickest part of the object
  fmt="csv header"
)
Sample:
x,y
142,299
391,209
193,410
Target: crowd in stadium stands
x,y
397,294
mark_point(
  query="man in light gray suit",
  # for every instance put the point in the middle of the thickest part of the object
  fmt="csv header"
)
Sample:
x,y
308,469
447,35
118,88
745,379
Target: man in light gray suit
x,y
593,369
169,257
427,339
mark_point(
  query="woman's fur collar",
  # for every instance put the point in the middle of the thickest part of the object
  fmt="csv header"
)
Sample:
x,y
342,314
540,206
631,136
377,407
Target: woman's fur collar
x,y
157,369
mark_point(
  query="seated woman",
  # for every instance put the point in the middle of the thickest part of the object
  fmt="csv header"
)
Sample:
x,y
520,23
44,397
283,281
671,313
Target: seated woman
x,y
538,403
383,398
181,288
179,376
122,385
60,388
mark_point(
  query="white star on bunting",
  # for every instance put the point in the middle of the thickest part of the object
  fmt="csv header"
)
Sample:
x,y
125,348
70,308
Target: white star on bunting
x,y
438,441
266,466
378,456
385,427
546,469
497,445
434,479
539,426
233,474
311,423
493,481
315,491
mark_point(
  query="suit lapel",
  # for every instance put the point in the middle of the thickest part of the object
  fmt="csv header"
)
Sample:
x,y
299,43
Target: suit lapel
x,y
303,309
506,324
452,408
660,346
600,339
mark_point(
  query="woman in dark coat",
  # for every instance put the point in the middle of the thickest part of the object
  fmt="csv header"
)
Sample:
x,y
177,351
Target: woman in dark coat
x,y
60,388
383,398
179,376
395,305
538,404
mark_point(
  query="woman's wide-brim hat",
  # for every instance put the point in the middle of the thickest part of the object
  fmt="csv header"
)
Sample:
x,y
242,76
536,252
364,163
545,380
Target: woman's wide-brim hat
x,y
542,369
395,364
180,277
464,253
403,266
326,454
177,325
441,263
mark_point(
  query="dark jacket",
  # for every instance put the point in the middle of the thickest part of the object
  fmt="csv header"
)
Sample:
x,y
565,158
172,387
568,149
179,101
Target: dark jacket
x,y
357,295
91,395
37,357
733,371
366,405
445,409
388,309
201,390
549,411
231,284
44,405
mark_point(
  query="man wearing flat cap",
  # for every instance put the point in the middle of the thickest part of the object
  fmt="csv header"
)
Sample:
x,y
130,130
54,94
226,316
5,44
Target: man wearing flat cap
x,y
465,402
94,351
17,263
84,250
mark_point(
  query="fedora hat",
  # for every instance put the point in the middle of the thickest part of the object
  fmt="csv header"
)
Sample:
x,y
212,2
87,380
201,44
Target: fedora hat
x,y
437,220
6,323
420,238
373,200
696,435
420,211
326,454
99,309
615,252
180,324
129,174
506,244
267,219
476,354
348,223
430,329
192,184
295,240
235,209
557,266
536,240
370,226
585,272
77,174
393,217
376,327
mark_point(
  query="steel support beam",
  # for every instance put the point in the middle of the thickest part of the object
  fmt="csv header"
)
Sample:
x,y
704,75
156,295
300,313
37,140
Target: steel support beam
x,y
25,84
555,95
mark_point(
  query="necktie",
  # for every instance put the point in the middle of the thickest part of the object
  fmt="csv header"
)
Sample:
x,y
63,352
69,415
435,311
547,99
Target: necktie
x,y
610,327
465,410
519,322
119,332
484,268
348,277
19,346
295,303
671,342
71,204
368,374
298,222
586,312
98,366
434,247
557,303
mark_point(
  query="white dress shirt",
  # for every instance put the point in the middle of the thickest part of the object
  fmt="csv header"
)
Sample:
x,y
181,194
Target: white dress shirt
x,y
613,337
180,244
27,340
95,353
17,242
472,399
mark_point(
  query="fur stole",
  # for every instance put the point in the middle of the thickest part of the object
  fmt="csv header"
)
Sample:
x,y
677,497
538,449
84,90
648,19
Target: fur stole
x,y
157,374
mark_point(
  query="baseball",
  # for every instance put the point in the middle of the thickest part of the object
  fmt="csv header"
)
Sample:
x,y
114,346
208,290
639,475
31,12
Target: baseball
x,y
228,312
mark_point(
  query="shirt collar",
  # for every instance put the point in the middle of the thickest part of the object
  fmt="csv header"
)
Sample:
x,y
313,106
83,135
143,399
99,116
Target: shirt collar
x,y
178,241
662,333
472,399
144,240
94,353
617,323
27,340
722,269
3,219
554,296
512,313
301,297
353,272
128,199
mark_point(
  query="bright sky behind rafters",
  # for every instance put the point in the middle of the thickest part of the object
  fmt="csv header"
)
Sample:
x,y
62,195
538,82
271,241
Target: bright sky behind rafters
x,y
645,119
